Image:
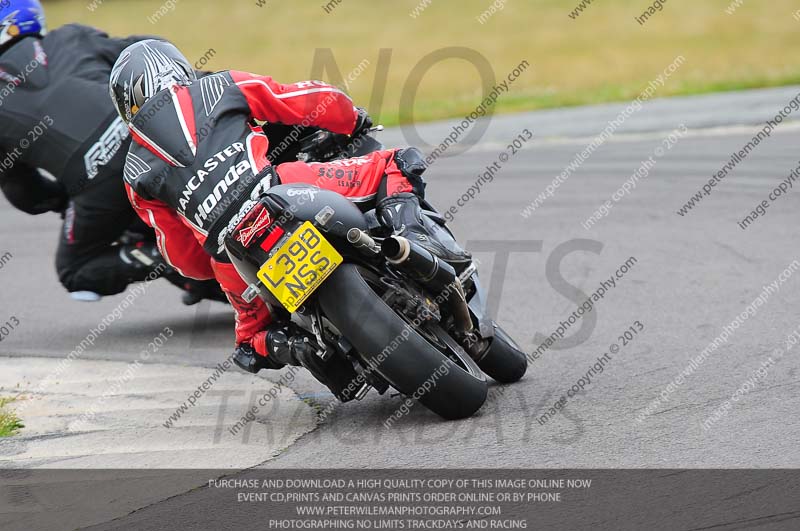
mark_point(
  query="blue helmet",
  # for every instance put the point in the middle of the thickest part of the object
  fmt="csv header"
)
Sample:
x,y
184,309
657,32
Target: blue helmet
x,y
19,18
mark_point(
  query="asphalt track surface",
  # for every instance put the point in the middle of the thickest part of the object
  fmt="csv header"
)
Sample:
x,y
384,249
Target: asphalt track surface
x,y
693,276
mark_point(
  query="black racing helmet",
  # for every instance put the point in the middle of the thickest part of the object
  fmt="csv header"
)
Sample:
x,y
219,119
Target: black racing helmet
x,y
142,70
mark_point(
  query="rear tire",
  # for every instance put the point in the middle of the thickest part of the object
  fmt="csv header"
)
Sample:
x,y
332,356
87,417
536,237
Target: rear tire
x,y
504,361
377,333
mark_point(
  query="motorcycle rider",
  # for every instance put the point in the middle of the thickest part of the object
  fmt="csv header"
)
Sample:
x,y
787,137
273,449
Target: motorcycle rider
x,y
198,157
55,116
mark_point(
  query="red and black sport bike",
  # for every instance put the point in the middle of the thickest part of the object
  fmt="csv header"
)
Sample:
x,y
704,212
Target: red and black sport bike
x,y
403,318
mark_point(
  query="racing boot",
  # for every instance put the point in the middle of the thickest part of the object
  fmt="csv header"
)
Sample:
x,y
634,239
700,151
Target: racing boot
x,y
248,359
287,344
402,214
113,270
145,258
199,290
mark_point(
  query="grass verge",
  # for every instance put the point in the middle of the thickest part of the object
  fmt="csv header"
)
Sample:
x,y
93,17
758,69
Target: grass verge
x,y
603,54
10,424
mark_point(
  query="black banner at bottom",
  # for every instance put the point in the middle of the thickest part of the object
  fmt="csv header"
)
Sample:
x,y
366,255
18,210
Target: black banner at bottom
x,y
336,499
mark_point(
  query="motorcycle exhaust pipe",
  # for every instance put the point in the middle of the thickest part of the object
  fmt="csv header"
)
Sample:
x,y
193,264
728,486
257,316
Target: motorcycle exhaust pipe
x,y
419,263
435,274
361,240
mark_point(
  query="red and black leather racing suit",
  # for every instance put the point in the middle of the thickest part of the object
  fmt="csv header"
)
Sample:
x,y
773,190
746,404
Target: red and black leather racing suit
x,y
197,156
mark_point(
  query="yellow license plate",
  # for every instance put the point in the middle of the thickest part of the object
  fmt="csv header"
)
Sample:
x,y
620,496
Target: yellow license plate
x,y
299,267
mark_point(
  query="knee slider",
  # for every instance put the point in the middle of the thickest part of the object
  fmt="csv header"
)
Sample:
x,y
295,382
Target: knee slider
x,y
411,164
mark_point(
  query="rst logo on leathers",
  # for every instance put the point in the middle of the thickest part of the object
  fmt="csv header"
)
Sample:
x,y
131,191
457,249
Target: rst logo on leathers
x,y
106,147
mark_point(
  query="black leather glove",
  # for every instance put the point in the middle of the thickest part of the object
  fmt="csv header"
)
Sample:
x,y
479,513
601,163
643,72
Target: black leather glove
x,y
363,122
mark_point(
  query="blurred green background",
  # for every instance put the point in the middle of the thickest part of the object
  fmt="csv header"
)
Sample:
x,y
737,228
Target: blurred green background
x,y
602,55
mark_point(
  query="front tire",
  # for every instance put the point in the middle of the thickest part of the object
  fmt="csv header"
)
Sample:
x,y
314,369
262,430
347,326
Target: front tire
x,y
396,351
504,361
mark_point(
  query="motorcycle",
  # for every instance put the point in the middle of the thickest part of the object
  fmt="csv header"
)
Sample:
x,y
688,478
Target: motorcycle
x,y
402,317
